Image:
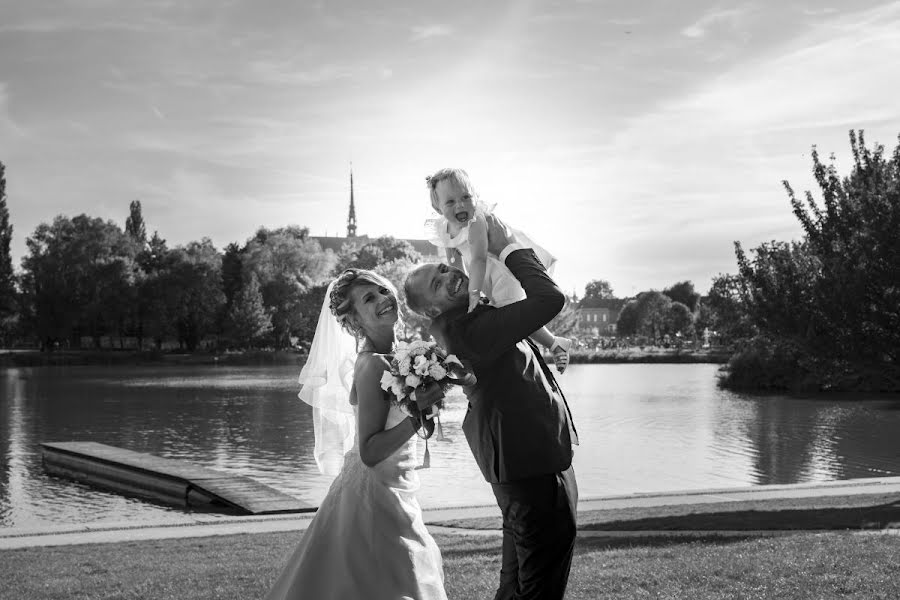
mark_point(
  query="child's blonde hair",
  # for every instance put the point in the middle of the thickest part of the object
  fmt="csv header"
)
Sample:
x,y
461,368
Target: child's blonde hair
x,y
457,175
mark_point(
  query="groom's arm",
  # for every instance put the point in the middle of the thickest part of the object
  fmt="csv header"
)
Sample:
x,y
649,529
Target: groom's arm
x,y
489,333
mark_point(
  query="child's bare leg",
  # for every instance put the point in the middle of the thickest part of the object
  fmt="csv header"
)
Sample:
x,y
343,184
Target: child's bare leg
x,y
558,346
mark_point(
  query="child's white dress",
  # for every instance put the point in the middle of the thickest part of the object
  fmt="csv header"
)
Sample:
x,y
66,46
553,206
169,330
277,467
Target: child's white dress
x,y
500,285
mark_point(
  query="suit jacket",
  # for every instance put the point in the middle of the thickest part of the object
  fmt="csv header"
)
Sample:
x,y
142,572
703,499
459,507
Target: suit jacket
x,y
518,424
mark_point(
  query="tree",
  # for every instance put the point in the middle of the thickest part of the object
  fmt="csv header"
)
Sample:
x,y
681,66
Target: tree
x,y
309,306
247,320
627,324
727,312
287,264
232,277
134,224
381,250
598,289
828,305
78,278
649,314
684,293
7,278
195,279
680,320
153,299
856,248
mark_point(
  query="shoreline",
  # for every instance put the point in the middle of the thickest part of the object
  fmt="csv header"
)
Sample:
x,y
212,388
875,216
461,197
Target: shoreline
x,y
865,504
113,358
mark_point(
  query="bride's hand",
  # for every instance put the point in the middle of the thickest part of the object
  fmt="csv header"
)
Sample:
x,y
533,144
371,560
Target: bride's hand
x,y
423,421
427,395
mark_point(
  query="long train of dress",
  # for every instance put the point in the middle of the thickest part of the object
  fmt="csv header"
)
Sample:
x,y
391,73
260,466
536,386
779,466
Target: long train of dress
x,y
368,538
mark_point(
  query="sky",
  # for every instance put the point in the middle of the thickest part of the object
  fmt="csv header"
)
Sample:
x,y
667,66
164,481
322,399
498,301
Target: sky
x,y
636,141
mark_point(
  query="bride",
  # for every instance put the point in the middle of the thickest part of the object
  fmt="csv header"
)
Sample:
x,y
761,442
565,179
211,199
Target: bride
x,y
368,539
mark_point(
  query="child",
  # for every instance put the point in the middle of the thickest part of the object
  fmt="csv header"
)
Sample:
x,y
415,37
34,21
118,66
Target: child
x,y
462,230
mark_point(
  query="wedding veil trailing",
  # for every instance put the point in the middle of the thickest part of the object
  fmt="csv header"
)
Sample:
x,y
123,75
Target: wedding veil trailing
x,y
326,380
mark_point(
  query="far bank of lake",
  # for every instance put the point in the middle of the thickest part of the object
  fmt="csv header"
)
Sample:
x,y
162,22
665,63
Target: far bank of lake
x,y
62,358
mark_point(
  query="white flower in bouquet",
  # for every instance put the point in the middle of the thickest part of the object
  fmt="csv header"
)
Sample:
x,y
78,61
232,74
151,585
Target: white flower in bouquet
x,y
419,348
420,365
387,380
401,354
403,366
413,381
437,371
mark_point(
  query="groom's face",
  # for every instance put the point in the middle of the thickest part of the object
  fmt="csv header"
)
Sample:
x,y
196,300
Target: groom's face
x,y
440,287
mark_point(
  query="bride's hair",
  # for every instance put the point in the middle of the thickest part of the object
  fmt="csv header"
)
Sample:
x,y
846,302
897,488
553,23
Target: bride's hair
x,y
339,302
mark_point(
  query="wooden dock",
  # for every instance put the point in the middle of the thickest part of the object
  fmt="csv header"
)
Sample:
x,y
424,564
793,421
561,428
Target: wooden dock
x,y
165,480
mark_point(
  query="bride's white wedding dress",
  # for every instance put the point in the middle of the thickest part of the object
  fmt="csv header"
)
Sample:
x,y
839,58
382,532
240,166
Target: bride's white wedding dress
x,y
368,539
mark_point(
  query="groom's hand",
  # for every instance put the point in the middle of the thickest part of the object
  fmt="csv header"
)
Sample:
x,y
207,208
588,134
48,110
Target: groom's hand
x,y
427,395
499,235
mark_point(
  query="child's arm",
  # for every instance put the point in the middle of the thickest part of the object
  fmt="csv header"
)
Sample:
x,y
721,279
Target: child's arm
x,y
558,347
477,266
543,337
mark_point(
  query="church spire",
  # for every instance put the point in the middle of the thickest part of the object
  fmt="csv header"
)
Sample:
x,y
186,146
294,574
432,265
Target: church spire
x,y
351,218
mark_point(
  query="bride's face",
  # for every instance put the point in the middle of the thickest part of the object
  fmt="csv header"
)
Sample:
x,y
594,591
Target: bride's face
x,y
374,307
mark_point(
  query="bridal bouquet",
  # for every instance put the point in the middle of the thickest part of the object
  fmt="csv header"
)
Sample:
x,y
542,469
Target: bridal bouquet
x,y
418,364
415,365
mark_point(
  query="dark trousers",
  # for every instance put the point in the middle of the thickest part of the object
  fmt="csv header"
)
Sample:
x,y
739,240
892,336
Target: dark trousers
x,y
538,535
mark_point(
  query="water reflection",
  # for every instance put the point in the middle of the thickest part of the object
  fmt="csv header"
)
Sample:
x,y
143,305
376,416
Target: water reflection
x,y
643,428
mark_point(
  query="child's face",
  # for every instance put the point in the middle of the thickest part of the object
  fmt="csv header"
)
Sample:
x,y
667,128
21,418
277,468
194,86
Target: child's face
x,y
454,201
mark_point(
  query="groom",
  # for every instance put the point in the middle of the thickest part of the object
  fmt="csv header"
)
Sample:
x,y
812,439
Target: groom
x,y
518,424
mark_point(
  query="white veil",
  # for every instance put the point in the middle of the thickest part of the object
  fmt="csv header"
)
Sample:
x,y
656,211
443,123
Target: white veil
x,y
326,379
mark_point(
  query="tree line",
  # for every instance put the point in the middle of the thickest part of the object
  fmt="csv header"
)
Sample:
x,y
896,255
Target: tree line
x,y
84,280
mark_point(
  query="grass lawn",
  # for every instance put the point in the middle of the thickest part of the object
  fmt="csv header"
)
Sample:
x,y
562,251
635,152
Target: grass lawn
x,y
804,566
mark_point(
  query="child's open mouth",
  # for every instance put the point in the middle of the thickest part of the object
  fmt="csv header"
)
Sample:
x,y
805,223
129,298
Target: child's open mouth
x,y
462,217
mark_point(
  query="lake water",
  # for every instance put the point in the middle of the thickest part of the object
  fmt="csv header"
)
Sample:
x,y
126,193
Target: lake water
x,y
643,428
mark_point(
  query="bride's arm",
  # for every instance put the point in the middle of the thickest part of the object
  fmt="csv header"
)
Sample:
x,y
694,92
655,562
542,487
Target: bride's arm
x,y
376,443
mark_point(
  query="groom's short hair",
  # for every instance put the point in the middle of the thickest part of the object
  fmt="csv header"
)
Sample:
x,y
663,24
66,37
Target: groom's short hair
x,y
414,299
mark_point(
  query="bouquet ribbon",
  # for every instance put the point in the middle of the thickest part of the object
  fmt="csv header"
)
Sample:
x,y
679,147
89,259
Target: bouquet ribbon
x,y
466,378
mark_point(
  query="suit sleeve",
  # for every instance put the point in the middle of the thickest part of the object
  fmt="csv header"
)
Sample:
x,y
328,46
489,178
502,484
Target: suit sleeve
x,y
492,332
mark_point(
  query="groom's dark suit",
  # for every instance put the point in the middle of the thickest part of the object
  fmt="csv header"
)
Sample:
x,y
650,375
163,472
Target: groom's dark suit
x,y
520,430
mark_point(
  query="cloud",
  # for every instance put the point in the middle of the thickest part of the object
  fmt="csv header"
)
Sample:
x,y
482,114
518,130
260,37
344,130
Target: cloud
x,y
9,129
275,72
424,32
704,168
61,25
831,77
731,17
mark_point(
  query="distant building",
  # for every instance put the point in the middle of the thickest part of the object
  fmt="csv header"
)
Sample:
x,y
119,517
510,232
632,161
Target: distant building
x,y
598,317
334,243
